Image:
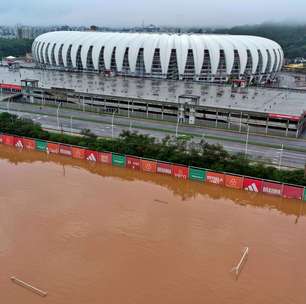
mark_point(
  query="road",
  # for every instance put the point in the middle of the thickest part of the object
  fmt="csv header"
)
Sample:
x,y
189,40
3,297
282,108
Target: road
x,y
265,148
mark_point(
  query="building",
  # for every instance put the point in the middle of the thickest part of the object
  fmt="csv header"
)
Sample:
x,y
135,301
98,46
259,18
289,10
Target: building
x,y
199,57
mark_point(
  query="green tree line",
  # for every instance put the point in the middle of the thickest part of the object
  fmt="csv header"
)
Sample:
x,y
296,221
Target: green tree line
x,y
292,38
170,149
14,47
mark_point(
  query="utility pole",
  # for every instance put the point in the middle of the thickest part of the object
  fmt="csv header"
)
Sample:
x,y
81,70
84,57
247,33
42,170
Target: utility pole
x,y
247,142
177,125
280,157
57,115
113,123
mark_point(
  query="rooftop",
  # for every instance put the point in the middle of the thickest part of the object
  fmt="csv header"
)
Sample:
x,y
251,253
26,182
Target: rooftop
x,y
276,101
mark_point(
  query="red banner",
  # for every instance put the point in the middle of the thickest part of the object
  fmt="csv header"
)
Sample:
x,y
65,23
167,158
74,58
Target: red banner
x,y
180,171
215,178
53,148
233,181
164,168
9,86
8,140
285,116
78,153
253,185
29,143
65,150
272,188
148,165
293,192
92,155
133,163
105,158
18,142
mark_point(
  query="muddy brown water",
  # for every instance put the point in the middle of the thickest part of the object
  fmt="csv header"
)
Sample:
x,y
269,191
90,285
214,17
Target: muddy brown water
x,y
89,233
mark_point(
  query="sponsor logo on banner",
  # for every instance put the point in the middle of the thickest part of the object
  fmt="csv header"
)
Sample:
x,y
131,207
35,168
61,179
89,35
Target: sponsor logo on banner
x,y
233,181
269,190
180,172
272,188
105,158
19,144
52,148
133,163
164,168
29,143
65,150
253,185
148,166
91,157
252,188
215,178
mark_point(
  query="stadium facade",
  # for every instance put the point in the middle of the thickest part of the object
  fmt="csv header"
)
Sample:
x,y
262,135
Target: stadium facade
x,y
199,57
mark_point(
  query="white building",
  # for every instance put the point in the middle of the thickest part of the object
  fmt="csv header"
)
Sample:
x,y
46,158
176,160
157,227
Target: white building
x,y
200,57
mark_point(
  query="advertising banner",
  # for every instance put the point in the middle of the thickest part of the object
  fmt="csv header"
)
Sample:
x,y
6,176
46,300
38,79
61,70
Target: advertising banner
x,y
18,142
78,153
285,116
253,185
164,168
106,158
148,165
233,181
305,194
293,192
215,178
65,150
197,174
41,145
133,163
92,155
180,171
118,160
29,143
272,188
53,148
8,140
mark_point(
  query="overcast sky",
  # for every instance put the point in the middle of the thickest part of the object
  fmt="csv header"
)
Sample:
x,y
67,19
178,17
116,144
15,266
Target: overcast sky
x,y
160,12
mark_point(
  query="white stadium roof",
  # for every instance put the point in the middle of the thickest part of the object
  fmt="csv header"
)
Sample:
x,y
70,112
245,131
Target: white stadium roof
x,y
257,57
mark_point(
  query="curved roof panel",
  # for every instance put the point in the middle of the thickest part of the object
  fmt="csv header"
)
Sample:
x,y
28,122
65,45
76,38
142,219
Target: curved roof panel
x,y
134,42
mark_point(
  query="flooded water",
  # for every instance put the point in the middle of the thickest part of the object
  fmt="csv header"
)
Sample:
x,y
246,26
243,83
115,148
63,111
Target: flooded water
x,y
89,233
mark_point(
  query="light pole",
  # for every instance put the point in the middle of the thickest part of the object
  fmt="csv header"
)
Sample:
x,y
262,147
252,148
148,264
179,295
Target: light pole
x,y
113,117
57,115
177,125
71,125
247,142
130,126
280,157
8,104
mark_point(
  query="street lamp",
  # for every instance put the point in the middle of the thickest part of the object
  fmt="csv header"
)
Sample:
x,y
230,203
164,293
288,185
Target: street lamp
x,y
177,125
113,117
247,142
71,125
280,157
8,104
57,115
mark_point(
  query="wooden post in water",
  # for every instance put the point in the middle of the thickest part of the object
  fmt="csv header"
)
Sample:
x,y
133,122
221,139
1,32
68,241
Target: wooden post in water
x,y
28,286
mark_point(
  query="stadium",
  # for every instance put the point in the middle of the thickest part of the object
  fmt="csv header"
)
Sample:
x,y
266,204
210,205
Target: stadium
x,y
198,57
